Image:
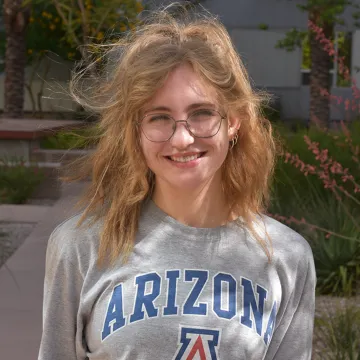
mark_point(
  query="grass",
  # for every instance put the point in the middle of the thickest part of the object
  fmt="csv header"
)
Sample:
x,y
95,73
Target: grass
x,y
337,333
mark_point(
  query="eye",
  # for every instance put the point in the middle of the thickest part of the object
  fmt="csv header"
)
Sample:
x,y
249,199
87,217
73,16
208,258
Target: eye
x,y
204,112
157,117
203,115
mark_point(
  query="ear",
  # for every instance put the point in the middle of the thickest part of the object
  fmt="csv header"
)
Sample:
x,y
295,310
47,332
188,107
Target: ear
x,y
234,123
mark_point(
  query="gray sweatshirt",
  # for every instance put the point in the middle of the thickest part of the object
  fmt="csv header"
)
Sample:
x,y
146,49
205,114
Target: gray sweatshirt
x,y
185,293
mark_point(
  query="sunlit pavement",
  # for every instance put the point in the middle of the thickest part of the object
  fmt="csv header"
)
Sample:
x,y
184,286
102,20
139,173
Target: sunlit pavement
x,y
22,279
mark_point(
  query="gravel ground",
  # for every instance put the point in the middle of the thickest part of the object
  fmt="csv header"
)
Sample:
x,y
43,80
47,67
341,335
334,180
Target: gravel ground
x,y
12,235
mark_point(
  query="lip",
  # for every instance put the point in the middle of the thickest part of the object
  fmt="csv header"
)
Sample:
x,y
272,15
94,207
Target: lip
x,y
188,164
186,154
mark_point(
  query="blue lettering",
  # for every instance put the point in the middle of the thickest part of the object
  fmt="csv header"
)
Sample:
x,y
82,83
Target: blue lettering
x,y
250,302
171,308
189,306
218,280
271,325
146,300
208,338
114,319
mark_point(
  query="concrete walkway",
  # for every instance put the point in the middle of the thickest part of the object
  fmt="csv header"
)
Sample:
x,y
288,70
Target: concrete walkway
x,y
21,281
23,213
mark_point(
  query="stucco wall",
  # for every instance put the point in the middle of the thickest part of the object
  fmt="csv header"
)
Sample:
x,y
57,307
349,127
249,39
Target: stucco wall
x,y
267,65
55,86
278,14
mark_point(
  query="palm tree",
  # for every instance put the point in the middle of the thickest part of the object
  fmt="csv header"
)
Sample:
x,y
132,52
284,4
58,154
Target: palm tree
x,y
16,18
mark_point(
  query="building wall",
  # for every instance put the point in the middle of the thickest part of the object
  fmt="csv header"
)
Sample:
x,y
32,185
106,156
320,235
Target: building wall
x,y
55,97
278,14
274,69
56,75
280,72
267,65
295,103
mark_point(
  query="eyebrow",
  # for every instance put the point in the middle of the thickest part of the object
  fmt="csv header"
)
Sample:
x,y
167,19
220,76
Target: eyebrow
x,y
189,108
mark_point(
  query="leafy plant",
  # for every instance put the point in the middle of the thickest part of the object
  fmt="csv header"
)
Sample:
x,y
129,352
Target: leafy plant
x,y
339,333
76,139
324,16
263,26
88,21
315,193
18,181
337,260
272,111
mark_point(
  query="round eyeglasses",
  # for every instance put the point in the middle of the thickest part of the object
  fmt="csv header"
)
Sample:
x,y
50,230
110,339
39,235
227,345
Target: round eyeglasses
x,y
203,123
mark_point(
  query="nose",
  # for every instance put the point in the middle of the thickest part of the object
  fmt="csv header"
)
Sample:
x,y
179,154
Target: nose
x,y
182,137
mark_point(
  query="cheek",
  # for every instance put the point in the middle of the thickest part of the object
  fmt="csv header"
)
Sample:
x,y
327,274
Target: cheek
x,y
151,152
147,154
223,144
224,151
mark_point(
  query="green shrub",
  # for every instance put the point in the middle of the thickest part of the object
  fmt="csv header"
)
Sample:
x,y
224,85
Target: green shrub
x,y
338,148
272,111
17,181
339,333
74,139
337,259
330,219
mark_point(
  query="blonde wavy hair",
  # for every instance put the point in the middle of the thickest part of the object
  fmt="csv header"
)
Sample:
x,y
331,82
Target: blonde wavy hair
x,y
136,66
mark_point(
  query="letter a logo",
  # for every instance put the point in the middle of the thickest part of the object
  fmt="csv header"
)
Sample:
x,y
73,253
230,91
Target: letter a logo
x,y
198,344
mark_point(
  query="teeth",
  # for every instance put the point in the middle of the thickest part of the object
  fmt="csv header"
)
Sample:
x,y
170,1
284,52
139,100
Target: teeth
x,y
185,158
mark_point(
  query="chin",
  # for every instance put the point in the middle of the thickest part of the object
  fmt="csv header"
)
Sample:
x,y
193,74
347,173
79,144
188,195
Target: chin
x,y
187,182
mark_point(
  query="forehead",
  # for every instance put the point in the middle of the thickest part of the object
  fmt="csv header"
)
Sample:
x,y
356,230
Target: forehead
x,y
182,88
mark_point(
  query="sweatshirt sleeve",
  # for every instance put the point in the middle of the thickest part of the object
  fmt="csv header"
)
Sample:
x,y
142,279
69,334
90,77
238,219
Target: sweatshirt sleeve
x,y
292,338
62,327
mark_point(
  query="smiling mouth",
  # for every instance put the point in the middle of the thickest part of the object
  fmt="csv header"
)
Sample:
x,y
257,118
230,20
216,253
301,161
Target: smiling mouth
x,y
184,159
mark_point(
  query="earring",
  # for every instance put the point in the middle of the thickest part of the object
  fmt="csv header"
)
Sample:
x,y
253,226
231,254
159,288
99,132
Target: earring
x,y
233,141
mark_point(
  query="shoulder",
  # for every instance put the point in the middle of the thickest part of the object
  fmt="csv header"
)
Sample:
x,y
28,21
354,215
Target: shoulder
x,y
284,239
291,252
72,243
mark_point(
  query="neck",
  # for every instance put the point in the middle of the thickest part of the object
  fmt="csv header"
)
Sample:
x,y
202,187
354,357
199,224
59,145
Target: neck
x,y
203,207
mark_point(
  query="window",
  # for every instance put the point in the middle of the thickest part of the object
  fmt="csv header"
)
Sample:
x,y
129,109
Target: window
x,y
342,44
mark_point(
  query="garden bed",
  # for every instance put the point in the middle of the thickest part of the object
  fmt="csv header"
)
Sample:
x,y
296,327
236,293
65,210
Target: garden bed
x,y
317,193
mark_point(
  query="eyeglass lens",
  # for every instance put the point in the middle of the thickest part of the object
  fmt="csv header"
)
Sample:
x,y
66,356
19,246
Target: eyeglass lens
x,y
160,127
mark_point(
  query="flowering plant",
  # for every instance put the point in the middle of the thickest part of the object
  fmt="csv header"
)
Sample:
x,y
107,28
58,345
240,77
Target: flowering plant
x,y
317,189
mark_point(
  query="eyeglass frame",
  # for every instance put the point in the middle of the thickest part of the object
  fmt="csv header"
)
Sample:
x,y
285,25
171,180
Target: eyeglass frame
x,y
139,123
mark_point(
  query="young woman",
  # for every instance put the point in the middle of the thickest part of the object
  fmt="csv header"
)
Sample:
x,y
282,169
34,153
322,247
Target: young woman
x,y
172,256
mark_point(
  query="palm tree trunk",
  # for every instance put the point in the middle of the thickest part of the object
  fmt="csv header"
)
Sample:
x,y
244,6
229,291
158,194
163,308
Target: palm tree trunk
x,y
320,79
15,18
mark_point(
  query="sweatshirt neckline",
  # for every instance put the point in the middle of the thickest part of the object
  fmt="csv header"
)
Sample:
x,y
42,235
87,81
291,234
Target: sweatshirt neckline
x,y
157,213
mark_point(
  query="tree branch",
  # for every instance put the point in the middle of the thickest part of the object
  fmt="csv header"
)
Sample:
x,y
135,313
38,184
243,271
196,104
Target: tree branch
x,y
101,22
57,5
85,22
